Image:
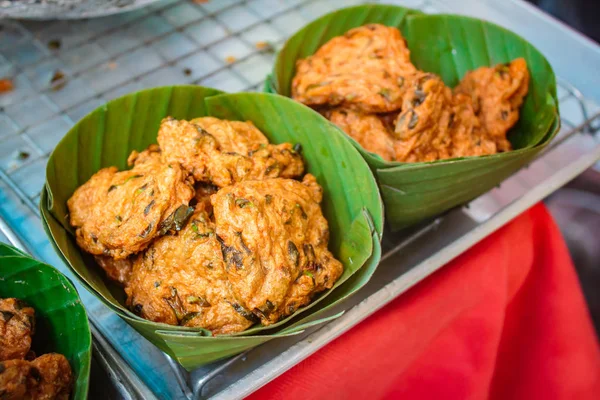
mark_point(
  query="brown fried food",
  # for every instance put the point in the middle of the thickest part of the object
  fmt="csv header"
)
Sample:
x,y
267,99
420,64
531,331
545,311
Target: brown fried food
x,y
55,377
422,126
497,94
225,152
117,270
17,325
48,377
368,70
117,214
367,129
365,69
468,137
181,280
274,240
16,379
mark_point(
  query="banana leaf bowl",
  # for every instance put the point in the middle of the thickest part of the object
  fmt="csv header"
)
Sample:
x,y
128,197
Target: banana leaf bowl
x,y
61,322
105,137
447,45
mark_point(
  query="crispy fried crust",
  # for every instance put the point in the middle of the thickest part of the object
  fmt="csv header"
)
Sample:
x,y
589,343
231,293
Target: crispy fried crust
x,y
55,377
474,121
367,78
225,152
17,325
468,136
183,276
367,129
365,69
181,280
48,377
497,94
15,379
274,242
117,214
422,126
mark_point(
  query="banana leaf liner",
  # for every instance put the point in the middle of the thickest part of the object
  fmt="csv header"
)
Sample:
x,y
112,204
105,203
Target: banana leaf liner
x,y
448,45
105,137
61,321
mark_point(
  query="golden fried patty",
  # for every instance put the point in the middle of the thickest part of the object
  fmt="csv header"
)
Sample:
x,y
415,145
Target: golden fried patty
x,y
15,379
422,127
117,214
365,69
368,130
48,377
497,94
274,240
181,280
368,70
469,138
55,377
17,325
224,152
435,124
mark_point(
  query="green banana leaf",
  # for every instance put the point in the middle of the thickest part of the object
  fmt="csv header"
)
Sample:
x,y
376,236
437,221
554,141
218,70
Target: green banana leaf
x,y
448,45
424,192
61,321
6,250
352,203
295,326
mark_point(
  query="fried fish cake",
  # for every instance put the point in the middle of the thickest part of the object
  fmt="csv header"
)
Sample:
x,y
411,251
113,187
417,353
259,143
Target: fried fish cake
x,y
497,94
422,126
274,239
224,152
365,69
16,379
117,214
367,129
53,377
263,162
17,325
48,377
468,136
181,280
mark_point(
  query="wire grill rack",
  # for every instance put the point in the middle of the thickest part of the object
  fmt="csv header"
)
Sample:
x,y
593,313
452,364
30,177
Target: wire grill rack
x,y
61,70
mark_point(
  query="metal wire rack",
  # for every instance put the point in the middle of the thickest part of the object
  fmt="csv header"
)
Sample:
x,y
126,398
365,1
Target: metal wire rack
x,y
61,70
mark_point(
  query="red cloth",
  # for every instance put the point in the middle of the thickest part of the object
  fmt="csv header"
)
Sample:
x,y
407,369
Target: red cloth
x,y
506,320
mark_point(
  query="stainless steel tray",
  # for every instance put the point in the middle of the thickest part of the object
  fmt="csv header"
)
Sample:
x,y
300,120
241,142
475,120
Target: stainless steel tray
x,y
67,9
230,45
